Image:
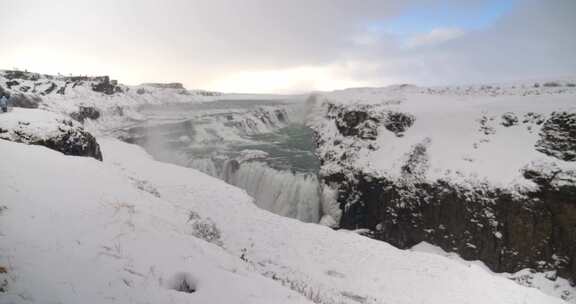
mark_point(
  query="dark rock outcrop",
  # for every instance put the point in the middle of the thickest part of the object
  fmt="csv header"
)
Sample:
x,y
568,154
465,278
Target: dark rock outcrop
x,y
356,122
25,101
509,119
558,136
363,122
50,89
85,112
59,134
22,75
507,230
11,83
398,122
487,224
77,143
103,84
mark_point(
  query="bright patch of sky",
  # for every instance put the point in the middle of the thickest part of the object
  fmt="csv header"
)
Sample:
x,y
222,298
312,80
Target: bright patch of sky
x,y
445,15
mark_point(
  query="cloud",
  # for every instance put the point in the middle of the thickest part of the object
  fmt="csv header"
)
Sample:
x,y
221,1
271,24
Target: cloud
x,y
268,46
434,37
533,40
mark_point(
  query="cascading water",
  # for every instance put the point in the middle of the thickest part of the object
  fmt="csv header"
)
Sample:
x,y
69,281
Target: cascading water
x,y
286,193
257,146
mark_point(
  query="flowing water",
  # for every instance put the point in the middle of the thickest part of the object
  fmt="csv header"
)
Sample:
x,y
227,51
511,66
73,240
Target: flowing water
x,y
259,146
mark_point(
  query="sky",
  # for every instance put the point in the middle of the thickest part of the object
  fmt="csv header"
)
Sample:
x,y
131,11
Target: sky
x,y
274,46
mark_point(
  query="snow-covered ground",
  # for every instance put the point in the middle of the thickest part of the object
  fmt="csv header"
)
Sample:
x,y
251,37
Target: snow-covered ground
x,y
549,283
132,229
470,133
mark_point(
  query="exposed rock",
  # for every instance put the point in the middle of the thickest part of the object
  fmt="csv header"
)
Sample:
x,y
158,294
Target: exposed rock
x,y
509,119
417,162
558,136
485,125
398,122
25,101
85,112
11,83
37,127
533,118
61,90
103,84
551,84
488,224
49,90
356,122
22,75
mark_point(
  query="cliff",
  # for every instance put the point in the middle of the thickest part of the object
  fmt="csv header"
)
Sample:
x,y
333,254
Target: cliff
x,y
484,171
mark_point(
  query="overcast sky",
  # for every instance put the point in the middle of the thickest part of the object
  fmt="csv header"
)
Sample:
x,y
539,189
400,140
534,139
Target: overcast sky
x,y
291,46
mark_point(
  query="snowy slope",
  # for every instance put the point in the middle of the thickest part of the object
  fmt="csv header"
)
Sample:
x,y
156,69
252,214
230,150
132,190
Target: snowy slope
x,y
76,231
464,129
128,230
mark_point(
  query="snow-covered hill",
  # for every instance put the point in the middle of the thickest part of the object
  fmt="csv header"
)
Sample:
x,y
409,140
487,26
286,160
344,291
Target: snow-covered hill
x,y
485,171
135,230
88,97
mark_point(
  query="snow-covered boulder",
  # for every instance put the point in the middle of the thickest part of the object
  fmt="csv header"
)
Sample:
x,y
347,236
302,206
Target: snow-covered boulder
x,y
55,131
485,171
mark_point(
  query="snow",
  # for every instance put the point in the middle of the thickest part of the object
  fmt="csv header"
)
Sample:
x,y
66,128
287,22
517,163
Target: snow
x,y
547,282
75,230
80,93
448,120
36,123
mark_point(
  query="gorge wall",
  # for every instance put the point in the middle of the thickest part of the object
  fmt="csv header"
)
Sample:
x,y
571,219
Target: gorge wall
x,y
389,181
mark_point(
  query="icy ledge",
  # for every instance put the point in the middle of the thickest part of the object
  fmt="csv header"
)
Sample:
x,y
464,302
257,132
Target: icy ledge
x,y
130,229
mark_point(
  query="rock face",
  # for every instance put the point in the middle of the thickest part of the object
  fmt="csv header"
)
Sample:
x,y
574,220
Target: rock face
x,y
37,127
490,224
104,85
85,112
25,101
506,228
558,136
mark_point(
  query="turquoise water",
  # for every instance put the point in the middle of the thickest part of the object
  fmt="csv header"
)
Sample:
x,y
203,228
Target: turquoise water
x,y
289,148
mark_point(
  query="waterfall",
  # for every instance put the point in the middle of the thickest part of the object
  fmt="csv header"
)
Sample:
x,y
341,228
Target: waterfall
x,y
224,142
285,193
205,165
